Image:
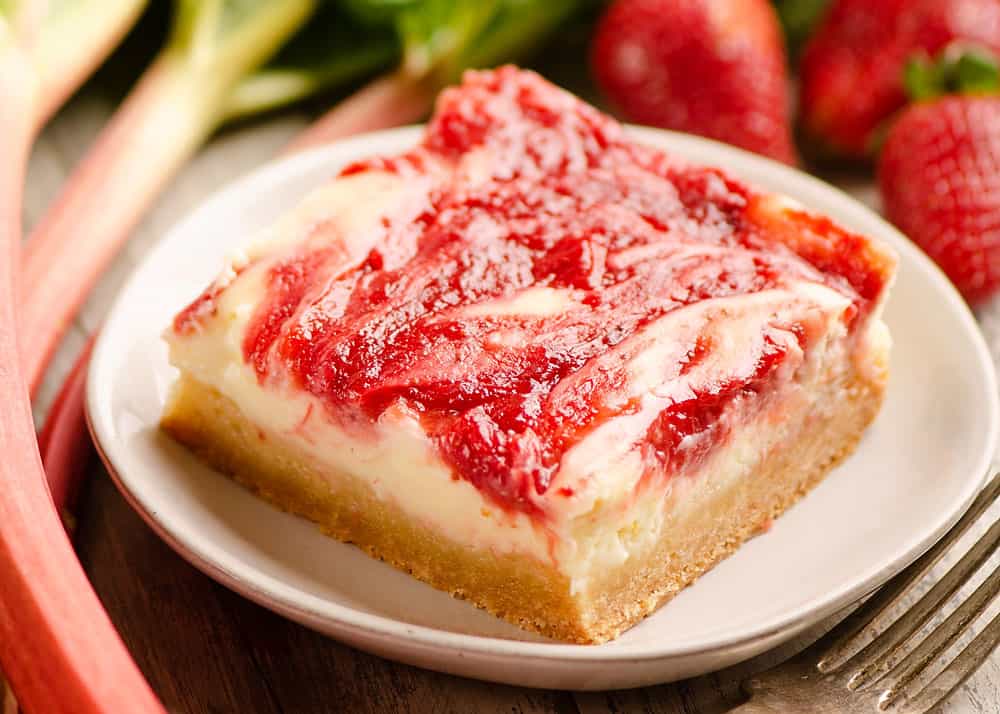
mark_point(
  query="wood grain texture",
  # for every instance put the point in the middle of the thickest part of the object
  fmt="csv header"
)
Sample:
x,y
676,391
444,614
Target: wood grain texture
x,y
206,650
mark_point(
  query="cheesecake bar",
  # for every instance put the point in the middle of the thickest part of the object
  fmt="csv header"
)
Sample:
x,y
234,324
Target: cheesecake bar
x,y
535,363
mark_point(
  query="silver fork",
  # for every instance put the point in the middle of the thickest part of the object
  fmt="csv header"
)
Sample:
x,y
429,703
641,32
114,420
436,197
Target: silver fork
x,y
832,675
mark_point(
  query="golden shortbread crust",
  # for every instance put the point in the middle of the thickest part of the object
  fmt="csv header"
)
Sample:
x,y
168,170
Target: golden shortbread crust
x,y
520,589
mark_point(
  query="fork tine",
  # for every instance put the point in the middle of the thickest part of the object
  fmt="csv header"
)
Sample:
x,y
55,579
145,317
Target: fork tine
x,y
838,642
882,653
952,676
941,637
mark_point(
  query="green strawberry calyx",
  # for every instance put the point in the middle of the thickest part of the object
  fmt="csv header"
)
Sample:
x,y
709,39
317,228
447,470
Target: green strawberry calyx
x,y
958,69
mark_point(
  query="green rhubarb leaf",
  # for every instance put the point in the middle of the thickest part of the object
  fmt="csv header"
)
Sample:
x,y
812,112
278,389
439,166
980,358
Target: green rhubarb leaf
x,y
209,28
379,12
438,30
333,48
441,38
223,41
519,28
434,39
330,32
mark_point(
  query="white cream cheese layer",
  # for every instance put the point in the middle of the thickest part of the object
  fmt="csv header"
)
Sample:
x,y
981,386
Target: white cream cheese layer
x,y
606,518
598,511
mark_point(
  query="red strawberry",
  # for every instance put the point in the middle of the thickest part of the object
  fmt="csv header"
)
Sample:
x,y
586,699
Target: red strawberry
x,y
939,174
852,67
710,67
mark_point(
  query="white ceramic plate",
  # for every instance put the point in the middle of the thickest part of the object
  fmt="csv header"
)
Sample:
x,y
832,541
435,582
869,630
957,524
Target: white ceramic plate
x,y
916,470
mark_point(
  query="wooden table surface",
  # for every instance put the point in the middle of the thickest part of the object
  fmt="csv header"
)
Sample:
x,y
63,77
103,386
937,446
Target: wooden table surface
x,y
205,649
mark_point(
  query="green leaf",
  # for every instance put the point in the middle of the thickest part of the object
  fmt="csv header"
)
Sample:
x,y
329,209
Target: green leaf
x,y
437,30
798,19
331,50
977,72
329,35
924,78
378,12
434,39
203,27
441,38
519,27
958,69
225,40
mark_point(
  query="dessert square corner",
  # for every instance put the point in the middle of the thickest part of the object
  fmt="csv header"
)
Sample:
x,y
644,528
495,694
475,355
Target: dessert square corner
x,y
535,364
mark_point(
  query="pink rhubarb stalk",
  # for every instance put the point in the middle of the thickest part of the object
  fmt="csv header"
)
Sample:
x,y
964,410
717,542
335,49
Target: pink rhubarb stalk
x,y
64,442
102,201
396,99
73,40
393,100
178,102
58,648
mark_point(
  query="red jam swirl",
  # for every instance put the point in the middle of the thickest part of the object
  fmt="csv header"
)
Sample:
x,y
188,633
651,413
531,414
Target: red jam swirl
x,y
568,203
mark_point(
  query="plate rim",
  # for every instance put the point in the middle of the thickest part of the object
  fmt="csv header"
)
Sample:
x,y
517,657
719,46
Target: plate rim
x,y
266,589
